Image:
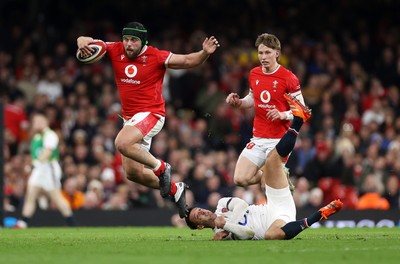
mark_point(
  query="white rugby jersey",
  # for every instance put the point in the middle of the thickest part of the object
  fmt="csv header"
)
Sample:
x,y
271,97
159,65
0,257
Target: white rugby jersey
x,y
238,211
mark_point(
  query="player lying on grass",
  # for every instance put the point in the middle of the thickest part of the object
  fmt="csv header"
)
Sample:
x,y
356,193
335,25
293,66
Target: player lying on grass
x,y
235,219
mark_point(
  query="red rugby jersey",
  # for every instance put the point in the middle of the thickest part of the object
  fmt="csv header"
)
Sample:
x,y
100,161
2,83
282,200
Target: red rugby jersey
x,y
268,90
140,80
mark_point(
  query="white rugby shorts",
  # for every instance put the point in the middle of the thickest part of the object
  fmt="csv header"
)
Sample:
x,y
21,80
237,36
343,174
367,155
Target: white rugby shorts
x,y
280,205
258,149
149,124
46,175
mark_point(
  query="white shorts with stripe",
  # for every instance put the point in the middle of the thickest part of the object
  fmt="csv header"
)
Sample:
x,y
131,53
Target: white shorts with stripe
x,y
46,175
148,123
258,149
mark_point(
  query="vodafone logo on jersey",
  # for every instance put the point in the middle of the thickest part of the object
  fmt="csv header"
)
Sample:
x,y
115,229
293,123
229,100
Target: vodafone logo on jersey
x,y
130,72
265,97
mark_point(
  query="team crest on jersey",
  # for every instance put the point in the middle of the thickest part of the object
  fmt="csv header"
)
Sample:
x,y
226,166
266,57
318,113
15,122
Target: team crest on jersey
x,y
275,83
224,210
144,59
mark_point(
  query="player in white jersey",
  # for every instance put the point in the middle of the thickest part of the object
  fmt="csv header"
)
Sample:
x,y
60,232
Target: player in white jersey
x,y
235,219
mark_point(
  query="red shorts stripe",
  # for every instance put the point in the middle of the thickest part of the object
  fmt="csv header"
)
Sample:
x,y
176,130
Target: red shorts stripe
x,y
147,124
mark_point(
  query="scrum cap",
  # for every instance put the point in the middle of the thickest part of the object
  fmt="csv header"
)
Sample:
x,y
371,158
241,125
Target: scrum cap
x,y
136,30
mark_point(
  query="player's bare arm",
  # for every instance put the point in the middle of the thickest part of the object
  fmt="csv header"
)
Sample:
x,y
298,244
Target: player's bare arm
x,y
45,155
221,235
220,222
180,61
274,114
234,100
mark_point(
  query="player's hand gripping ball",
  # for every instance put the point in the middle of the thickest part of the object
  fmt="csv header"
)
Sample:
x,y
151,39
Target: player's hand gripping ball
x,y
99,48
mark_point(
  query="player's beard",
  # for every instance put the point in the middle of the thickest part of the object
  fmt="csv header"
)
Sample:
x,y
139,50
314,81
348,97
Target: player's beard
x,y
131,54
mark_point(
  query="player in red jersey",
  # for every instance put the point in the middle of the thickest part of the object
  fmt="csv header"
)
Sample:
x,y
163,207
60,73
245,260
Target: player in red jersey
x,y
139,71
268,84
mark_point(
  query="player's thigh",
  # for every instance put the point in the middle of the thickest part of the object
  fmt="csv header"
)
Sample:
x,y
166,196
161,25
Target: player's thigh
x,y
245,168
128,135
32,192
257,150
141,128
56,196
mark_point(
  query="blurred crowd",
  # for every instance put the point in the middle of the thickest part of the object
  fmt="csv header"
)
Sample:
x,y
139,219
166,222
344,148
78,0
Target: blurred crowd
x,y
346,56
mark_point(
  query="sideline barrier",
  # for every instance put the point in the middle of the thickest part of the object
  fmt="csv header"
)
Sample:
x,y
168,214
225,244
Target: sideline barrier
x,y
358,218
162,217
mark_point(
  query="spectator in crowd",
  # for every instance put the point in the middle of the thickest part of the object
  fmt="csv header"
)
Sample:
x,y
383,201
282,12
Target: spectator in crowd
x,y
72,194
371,197
301,194
94,195
15,122
392,191
315,200
50,86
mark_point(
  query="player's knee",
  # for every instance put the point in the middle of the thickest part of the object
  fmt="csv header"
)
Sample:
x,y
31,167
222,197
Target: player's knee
x,y
121,145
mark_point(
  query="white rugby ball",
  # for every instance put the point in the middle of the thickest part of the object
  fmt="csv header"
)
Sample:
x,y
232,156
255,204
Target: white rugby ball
x,y
99,48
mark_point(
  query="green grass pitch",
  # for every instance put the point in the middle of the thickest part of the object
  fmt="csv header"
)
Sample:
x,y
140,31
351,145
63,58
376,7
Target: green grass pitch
x,y
167,245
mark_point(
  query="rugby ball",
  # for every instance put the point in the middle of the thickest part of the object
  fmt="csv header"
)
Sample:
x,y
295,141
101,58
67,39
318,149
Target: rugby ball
x,y
100,50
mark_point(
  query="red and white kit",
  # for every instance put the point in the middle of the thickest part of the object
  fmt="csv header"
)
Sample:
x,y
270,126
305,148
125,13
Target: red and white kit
x,y
139,80
268,90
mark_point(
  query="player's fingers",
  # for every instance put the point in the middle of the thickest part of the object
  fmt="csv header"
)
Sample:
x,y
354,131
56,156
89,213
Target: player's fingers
x,y
213,41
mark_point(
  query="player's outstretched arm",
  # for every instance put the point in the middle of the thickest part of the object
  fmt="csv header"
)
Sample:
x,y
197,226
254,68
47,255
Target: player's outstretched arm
x,y
185,61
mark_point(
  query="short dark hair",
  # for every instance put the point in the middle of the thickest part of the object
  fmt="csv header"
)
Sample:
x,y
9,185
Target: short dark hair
x,y
189,223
